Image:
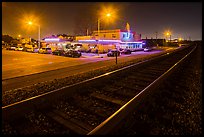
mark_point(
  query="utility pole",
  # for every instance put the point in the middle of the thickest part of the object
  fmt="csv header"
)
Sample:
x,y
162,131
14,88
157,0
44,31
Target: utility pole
x,y
116,59
87,32
39,36
156,38
98,34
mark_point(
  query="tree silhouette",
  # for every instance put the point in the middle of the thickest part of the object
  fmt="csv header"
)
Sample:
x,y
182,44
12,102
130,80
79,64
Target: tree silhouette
x,y
7,38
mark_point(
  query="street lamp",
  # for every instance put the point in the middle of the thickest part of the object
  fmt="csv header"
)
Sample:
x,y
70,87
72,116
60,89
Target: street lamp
x,y
169,34
180,39
31,23
99,19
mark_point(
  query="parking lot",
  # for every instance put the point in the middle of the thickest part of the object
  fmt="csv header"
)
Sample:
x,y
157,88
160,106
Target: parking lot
x,y
18,63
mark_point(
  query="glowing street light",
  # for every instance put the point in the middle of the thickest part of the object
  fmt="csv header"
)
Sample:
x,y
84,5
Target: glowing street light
x,y
180,39
99,19
108,14
168,34
31,23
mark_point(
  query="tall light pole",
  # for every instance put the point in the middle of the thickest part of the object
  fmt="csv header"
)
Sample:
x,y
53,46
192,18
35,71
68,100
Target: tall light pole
x,y
156,38
168,34
31,23
99,19
39,36
98,27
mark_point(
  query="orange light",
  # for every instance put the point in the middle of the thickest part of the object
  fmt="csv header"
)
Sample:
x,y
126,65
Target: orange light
x,y
108,14
30,23
167,33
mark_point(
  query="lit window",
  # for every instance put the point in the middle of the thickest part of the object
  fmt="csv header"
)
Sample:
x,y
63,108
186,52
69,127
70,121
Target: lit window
x,y
123,35
113,35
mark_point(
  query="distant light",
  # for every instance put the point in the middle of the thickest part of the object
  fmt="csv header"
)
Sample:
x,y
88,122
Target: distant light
x,y
132,42
108,14
30,23
105,40
91,47
110,40
87,40
52,39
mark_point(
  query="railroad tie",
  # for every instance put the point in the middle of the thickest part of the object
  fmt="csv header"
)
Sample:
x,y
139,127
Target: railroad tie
x,y
108,99
67,123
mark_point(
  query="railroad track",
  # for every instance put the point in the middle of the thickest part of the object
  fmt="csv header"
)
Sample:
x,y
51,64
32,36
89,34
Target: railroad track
x,y
93,106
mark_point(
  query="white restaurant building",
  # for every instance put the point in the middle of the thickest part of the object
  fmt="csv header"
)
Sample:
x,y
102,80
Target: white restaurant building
x,y
102,40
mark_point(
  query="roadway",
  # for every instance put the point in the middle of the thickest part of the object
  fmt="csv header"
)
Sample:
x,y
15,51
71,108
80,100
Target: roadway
x,y
30,68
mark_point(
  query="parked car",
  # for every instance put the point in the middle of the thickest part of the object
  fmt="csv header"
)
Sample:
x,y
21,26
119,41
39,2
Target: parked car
x,y
147,49
35,50
29,49
19,48
12,47
113,53
58,52
45,50
125,51
72,53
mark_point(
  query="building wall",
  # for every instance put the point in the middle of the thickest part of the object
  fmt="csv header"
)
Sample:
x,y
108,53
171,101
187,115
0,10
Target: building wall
x,y
84,37
112,35
105,40
107,34
127,36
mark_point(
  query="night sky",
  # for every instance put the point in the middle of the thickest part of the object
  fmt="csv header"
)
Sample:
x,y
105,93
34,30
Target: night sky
x,y
182,19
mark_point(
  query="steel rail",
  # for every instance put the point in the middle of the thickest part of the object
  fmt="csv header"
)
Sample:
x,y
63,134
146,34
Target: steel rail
x,y
114,120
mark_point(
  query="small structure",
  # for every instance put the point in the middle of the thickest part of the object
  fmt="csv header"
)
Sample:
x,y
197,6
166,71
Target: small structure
x,y
117,38
57,42
99,42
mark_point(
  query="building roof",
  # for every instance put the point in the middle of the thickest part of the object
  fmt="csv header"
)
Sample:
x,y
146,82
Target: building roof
x,y
112,31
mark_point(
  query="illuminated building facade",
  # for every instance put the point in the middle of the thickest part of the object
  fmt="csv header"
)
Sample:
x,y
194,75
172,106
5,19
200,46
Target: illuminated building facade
x,y
102,40
119,38
57,42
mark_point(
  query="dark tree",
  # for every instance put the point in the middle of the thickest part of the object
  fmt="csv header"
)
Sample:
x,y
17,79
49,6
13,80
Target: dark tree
x,y
7,38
